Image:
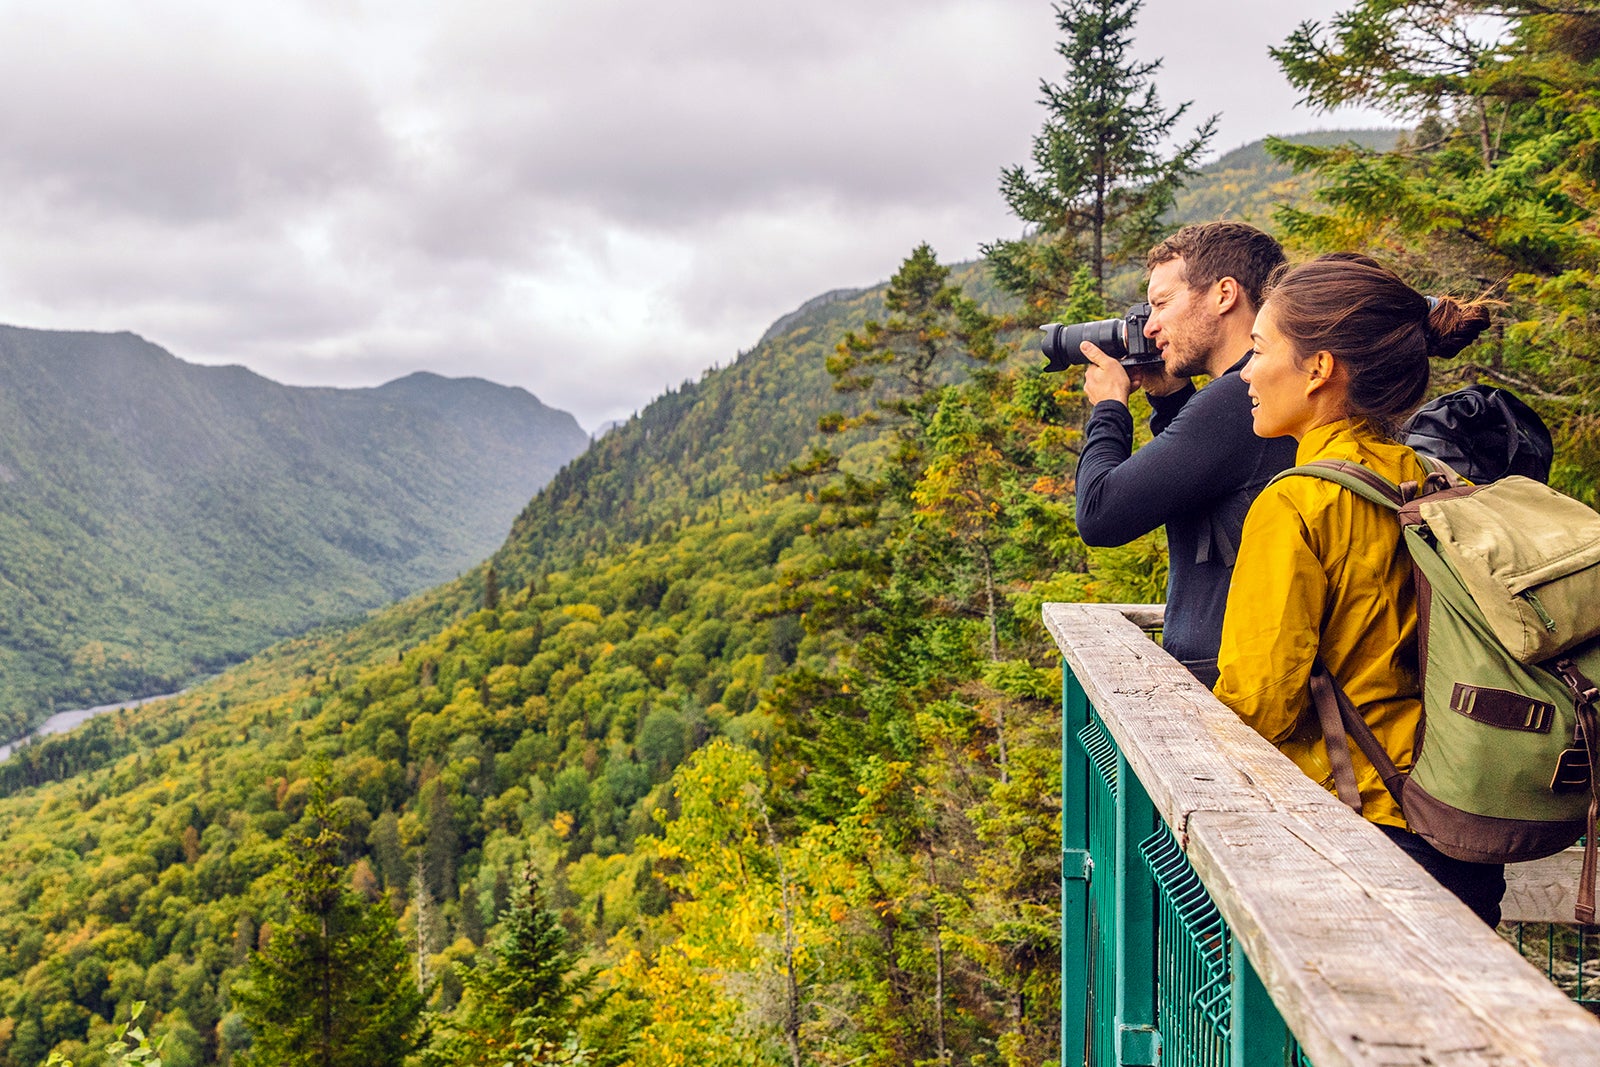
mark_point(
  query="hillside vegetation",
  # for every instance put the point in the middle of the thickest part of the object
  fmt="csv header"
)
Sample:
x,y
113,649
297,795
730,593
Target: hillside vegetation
x,y
159,520
756,688
1250,184
665,629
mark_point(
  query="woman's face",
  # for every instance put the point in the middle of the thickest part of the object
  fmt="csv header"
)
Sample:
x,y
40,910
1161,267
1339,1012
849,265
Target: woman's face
x,y
1281,400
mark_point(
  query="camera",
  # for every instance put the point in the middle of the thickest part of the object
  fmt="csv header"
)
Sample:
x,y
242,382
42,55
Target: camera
x,y
1122,339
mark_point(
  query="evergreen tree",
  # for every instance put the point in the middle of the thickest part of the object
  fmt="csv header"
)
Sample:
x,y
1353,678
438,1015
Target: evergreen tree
x,y
1497,188
443,843
1101,179
900,360
332,985
491,588
522,1003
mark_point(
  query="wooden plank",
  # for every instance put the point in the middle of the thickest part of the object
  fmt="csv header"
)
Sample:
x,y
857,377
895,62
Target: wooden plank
x,y
1368,959
1191,752
1144,616
1543,891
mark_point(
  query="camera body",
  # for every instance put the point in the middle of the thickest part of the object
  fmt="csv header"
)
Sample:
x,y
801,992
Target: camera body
x,y
1122,339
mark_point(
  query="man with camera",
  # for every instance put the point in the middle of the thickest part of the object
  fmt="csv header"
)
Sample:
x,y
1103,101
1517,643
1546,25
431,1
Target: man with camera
x,y
1205,465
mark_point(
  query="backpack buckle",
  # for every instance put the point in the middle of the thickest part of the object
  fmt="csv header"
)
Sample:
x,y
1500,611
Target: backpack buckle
x,y
1572,772
1582,688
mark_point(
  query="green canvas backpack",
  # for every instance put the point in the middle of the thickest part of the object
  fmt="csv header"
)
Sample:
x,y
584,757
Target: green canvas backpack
x,y
1507,754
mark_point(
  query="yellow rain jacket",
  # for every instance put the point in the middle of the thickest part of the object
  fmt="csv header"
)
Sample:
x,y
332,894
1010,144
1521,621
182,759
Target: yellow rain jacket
x,y
1321,573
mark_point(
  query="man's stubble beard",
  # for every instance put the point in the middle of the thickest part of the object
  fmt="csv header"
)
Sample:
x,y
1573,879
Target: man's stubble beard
x,y
1194,356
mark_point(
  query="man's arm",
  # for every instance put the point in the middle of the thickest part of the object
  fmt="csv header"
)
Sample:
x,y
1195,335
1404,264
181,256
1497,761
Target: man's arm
x,y
1202,456
1164,407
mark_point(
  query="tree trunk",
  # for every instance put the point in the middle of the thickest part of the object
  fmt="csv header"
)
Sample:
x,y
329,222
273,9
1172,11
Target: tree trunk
x,y
1485,141
992,612
938,961
1100,235
420,902
791,1026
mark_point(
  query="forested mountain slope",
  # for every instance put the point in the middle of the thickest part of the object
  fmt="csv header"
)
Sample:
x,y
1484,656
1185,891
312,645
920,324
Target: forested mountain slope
x,y
768,710
659,595
160,519
1249,184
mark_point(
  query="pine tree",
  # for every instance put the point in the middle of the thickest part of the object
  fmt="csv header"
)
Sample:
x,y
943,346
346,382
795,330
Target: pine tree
x,y
332,985
1101,179
522,1003
442,846
1497,189
899,361
491,589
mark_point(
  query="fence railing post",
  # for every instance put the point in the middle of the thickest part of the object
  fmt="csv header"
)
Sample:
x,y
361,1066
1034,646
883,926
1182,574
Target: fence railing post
x,y
1138,1040
1257,1034
1075,873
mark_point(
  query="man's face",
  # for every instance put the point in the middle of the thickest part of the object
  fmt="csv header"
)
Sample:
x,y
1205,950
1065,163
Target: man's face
x,y
1182,324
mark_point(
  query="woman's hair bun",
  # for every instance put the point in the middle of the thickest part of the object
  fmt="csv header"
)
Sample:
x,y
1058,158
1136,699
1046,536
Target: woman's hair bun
x,y
1452,326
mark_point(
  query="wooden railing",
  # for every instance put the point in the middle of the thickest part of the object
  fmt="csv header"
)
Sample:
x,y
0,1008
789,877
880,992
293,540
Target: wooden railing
x,y
1309,936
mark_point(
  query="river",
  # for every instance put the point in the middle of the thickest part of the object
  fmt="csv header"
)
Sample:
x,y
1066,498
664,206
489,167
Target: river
x,y
62,721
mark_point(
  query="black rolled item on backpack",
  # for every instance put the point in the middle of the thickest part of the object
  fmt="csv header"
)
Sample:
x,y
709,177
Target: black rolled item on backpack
x,y
1483,434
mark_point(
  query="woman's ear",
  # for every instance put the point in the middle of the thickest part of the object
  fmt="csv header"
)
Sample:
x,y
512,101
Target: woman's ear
x,y
1320,369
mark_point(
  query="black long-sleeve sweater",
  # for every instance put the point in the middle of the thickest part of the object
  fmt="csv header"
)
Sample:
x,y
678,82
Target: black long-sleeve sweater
x,y
1197,477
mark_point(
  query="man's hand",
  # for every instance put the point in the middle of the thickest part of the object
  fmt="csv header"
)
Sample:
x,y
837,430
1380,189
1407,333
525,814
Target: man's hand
x,y
1105,379
1155,380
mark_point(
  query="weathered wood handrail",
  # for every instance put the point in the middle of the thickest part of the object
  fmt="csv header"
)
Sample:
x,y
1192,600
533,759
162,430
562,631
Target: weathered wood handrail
x,y
1544,891
1366,958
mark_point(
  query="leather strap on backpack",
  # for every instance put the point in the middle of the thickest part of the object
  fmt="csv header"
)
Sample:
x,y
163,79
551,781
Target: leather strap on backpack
x,y
1361,481
1587,695
1341,723
1324,700
1370,485
1590,723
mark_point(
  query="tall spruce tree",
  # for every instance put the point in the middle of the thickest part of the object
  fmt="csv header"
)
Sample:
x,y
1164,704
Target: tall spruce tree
x,y
1102,173
522,1002
332,986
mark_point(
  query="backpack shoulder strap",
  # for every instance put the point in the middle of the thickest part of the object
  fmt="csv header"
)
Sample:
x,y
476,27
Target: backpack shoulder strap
x,y
1338,717
1362,481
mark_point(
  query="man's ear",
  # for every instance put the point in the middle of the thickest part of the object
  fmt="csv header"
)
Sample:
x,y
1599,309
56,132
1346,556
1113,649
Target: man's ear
x,y
1229,295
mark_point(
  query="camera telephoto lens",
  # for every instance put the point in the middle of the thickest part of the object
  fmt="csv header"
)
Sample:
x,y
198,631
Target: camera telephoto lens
x,y
1061,344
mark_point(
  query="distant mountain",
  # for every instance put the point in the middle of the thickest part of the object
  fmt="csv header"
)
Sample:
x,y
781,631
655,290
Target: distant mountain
x,y
1247,184
160,519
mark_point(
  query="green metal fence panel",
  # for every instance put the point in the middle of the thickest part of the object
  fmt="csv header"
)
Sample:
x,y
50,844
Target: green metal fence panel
x,y
1257,1034
1149,971
1138,1039
1104,935
1194,973
1568,955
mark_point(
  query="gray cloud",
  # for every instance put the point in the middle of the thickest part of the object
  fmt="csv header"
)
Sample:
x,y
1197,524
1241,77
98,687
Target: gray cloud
x,y
166,112
593,201
729,106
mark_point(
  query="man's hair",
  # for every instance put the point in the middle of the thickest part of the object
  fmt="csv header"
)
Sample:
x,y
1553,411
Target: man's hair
x,y
1212,251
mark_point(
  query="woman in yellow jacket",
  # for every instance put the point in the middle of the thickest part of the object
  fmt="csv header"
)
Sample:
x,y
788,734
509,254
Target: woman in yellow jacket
x,y
1341,358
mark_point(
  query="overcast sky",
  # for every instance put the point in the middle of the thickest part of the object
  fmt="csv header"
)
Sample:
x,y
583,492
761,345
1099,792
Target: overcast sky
x,y
591,199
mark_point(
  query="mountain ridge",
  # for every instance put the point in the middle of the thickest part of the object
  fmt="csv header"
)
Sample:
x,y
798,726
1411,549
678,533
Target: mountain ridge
x,y
160,518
